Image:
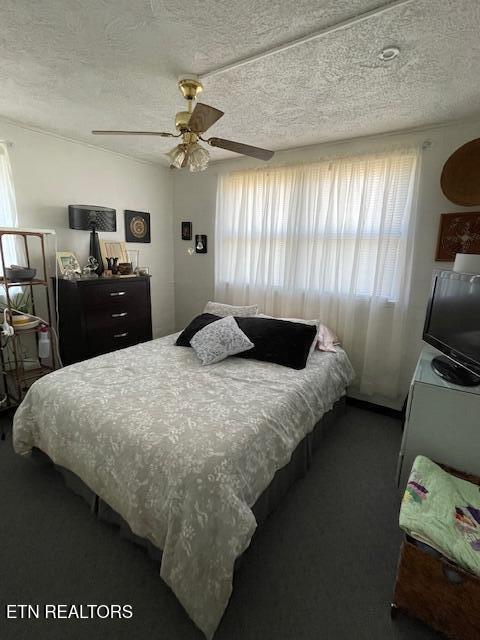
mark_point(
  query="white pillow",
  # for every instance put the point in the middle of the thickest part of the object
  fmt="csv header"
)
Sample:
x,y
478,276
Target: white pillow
x,y
301,320
220,309
326,339
218,340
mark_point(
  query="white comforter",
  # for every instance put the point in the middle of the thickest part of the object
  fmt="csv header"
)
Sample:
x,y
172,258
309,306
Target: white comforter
x,y
180,451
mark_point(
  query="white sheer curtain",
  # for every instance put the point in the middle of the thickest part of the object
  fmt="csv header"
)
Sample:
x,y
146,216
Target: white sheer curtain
x,y
330,240
8,209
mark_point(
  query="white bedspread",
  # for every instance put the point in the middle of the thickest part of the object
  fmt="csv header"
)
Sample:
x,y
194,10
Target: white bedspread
x,y
180,451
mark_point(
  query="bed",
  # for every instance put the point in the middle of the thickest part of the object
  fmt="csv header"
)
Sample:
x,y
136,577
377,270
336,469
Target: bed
x,y
181,452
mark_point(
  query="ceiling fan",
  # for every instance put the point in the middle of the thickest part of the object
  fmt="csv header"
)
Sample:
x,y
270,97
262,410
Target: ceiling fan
x,y
191,125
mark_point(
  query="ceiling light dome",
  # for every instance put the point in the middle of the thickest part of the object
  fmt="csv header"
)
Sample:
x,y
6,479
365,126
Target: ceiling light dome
x,y
177,156
198,158
190,155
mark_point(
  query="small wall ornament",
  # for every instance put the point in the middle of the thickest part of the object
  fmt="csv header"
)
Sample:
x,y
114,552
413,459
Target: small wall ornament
x,y
200,243
186,230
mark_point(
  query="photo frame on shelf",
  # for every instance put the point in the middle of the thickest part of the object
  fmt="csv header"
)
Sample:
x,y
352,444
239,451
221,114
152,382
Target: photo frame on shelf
x,y
110,249
137,226
63,259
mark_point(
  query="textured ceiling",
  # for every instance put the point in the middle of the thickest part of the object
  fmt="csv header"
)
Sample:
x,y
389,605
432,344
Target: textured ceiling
x,y
69,66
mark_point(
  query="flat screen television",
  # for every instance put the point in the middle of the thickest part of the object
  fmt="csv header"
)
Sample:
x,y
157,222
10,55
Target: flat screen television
x,y
452,326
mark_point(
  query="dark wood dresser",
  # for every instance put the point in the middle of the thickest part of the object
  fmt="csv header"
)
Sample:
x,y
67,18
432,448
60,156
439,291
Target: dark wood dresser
x,y
101,315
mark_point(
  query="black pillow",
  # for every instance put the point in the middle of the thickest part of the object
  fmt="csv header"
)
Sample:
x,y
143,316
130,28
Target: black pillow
x,y
278,341
195,325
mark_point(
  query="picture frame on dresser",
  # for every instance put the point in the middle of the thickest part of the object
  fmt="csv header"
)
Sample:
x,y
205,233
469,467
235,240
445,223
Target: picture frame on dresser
x,y
64,258
110,249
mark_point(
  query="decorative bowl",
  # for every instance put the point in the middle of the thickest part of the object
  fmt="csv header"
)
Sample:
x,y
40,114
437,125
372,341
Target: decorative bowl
x,y
20,323
20,274
125,268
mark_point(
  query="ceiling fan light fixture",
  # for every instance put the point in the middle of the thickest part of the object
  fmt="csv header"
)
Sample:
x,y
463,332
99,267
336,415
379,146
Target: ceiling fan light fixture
x,y
190,126
198,158
177,156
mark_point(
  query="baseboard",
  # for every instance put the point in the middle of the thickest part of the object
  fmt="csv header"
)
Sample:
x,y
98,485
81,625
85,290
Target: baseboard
x,y
377,408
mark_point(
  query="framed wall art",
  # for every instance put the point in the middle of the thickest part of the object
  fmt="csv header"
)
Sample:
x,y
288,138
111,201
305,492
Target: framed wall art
x,y
137,226
458,233
186,230
201,243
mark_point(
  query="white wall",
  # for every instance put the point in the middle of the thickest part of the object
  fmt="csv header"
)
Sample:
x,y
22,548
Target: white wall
x,y
50,173
195,194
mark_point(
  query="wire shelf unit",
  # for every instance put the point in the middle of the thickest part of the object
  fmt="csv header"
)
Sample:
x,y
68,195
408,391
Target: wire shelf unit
x,y
17,373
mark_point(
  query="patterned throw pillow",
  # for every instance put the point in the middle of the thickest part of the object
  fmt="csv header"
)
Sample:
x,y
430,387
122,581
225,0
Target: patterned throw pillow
x,y
222,310
218,340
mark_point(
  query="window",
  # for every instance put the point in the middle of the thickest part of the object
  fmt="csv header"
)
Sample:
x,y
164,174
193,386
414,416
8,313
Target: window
x,y
334,227
330,240
8,208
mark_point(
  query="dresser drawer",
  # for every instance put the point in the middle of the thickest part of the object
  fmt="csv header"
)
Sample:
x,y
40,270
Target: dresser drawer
x,y
116,316
113,294
111,339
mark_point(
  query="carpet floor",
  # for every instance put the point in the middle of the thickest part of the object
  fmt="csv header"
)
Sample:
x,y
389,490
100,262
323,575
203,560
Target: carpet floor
x,y
322,566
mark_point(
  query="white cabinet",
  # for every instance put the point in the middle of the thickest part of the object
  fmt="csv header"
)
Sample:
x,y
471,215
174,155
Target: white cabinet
x,y
442,422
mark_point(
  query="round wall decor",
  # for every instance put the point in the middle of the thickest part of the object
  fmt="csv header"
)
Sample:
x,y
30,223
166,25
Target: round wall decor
x,y
460,179
137,226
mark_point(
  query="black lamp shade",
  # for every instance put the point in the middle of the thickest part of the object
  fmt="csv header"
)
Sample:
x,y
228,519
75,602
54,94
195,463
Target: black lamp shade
x,y
90,218
86,217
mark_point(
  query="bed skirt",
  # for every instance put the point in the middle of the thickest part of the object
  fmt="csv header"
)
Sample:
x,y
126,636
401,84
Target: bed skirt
x,y
268,501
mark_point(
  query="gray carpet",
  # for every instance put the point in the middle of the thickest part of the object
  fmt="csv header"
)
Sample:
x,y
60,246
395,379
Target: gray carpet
x,y
322,566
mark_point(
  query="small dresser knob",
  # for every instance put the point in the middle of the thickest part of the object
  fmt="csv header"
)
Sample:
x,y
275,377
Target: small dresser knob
x,y
120,335
118,293
120,315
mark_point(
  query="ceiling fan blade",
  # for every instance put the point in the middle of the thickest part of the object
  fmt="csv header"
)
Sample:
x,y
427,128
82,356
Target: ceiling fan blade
x,y
162,134
244,149
203,117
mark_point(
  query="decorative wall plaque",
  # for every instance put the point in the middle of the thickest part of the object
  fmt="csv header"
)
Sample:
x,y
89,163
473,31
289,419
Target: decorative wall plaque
x,y
458,233
137,226
186,230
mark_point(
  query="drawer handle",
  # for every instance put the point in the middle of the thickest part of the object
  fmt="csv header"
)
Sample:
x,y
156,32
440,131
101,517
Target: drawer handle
x,y
120,335
120,315
118,293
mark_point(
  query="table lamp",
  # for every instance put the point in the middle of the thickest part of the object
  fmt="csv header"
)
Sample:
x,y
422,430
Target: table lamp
x,y
467,263
91,218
